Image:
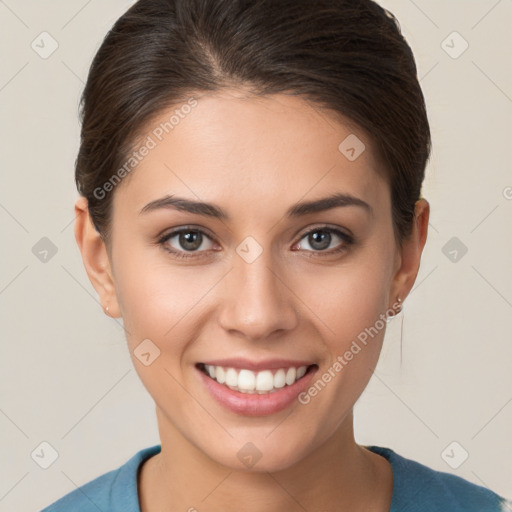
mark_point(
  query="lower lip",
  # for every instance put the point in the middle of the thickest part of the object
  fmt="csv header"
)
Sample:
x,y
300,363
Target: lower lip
x,y
256,404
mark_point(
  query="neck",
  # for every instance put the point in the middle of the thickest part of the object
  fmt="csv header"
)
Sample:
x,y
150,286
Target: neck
x,y
334,477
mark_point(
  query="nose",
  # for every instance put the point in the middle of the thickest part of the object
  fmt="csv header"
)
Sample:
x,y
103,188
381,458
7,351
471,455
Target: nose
x,y
256,301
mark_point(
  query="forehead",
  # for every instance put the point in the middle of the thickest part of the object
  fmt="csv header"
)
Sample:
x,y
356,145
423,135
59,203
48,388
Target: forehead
x,y
244,150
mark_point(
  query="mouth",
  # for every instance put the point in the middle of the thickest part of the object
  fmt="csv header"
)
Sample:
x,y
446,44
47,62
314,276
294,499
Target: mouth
x,y
262,382
255,389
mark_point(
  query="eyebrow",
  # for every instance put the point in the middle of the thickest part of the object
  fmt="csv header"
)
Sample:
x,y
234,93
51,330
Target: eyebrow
x,y
215,211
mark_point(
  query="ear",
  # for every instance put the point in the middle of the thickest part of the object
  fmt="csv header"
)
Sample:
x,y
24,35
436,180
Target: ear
x,y
410,252
95,258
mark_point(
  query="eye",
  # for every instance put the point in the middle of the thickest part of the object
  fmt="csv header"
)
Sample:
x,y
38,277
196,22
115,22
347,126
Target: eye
x,y
187,240
320,239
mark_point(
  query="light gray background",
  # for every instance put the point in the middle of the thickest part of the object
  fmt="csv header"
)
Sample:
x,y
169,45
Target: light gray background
x,y
66,375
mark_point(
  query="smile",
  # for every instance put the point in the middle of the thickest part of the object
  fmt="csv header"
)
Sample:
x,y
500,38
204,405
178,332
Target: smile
x,y
248,381
259,391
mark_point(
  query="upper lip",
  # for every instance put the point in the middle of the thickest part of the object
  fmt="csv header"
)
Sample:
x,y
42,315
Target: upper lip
x,y
269,364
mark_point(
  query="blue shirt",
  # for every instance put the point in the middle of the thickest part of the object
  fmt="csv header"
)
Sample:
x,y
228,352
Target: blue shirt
x,y
416,488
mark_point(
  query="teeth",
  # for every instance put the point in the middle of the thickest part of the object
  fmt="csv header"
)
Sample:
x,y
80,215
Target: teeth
x,y
264,380
247,381
280,379
301,372
290,375
231,377
219,373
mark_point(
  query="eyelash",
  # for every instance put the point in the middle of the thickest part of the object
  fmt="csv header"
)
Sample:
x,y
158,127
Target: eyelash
x,y
347,239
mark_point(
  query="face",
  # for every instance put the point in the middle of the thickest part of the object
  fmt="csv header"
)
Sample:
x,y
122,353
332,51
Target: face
x,y
265,286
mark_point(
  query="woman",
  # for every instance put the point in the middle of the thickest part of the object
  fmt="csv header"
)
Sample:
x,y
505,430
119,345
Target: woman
x,y
250,177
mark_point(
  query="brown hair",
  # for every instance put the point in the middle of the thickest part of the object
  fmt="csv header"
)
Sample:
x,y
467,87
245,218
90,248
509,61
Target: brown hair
x,y
348,56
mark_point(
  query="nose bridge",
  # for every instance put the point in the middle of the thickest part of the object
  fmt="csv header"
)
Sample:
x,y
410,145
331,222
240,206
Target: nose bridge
x,y
256,302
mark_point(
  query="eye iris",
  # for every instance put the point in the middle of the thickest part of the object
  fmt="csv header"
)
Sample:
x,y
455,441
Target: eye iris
x,y
190,237
324,237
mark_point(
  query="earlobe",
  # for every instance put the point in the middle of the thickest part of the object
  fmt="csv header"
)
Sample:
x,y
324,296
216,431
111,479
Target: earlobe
x,y
95,258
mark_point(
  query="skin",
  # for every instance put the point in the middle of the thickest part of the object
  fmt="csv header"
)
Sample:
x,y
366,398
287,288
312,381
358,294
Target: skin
x,y
294,301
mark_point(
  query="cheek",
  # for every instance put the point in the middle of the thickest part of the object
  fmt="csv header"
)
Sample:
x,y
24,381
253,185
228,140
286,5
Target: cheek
x,y
349,317
157,305
348,298
153,296
162,302
349,303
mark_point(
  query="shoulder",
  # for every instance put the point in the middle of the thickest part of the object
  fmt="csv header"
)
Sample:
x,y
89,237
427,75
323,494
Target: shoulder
x,y
418,488
111,492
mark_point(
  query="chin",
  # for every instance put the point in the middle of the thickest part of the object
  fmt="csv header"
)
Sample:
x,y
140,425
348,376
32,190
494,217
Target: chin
x,y
260,455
